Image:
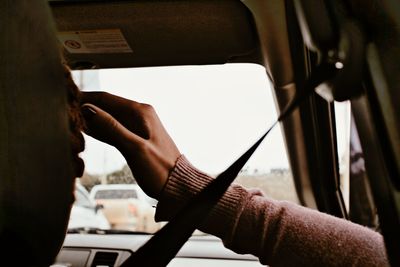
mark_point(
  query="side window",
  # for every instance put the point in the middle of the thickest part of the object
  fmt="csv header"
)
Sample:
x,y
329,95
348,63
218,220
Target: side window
x,y
342,121
354,184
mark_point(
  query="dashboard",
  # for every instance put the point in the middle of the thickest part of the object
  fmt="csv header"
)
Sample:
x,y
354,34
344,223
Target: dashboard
x,y
93,250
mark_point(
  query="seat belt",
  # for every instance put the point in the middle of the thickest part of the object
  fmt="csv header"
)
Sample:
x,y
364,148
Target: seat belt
x,y
165,244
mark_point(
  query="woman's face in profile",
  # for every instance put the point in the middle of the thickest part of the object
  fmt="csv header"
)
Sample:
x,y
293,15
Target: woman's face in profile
x,y
76,123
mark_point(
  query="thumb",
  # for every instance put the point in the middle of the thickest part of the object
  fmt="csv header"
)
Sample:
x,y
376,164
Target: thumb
x,y
104,127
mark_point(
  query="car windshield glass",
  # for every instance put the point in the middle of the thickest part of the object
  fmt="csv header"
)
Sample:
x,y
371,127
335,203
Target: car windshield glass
x,y
213,113
115,194
81,199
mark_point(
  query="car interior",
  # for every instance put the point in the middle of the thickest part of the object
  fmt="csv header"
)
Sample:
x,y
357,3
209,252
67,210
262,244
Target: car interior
x,y
296,41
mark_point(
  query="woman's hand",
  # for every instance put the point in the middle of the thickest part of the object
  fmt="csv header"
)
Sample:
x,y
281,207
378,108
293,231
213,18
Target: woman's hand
x,y
137,132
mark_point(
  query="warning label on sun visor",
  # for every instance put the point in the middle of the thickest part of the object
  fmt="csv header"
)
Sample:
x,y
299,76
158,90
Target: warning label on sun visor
x,y
94,41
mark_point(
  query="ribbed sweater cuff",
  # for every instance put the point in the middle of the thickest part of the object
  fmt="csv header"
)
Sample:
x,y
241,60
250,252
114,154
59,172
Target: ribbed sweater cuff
x,y
184,182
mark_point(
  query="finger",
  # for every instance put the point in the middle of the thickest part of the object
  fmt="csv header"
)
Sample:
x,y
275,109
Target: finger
x,y
104,127
107,101
128,112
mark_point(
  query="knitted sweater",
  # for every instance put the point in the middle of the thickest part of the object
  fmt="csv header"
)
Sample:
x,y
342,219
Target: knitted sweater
x,y
279,233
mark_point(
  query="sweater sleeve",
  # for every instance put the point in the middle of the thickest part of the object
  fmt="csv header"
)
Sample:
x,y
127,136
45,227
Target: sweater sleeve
x,y
279,233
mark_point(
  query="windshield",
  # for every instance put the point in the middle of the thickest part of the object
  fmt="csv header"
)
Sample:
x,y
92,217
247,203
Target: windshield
x,y
115,194
81,199
213,113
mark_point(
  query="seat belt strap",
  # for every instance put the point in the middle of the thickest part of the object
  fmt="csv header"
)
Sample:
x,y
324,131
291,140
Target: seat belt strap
x,y
166,243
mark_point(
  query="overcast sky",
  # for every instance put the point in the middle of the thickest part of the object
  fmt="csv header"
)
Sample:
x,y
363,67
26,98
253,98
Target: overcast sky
x,y
213,113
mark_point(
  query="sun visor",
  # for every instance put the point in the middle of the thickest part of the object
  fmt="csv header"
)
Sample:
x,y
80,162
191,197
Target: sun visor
x,y
115,34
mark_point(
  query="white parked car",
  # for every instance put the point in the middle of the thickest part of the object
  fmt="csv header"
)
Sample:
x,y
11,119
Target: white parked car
x,y
85,212
126,207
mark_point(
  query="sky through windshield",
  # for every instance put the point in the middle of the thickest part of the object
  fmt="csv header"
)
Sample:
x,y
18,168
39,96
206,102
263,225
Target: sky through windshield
x,y
213,113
